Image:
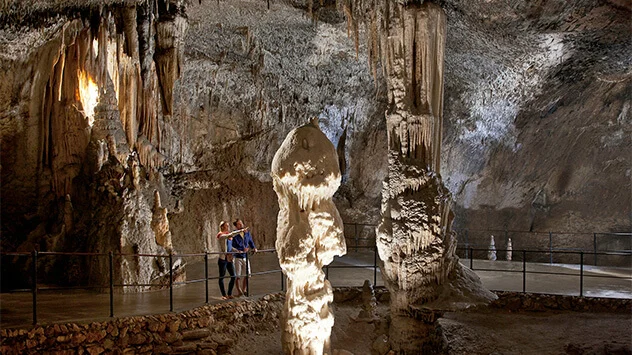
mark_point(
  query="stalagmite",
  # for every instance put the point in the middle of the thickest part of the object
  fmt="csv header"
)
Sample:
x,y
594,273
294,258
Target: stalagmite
x,y
68,213
160,224
509,250
491,251
305,175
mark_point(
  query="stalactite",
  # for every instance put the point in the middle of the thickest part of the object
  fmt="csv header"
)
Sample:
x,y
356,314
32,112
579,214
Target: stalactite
x,y
160,224
170,42
65,127
149,156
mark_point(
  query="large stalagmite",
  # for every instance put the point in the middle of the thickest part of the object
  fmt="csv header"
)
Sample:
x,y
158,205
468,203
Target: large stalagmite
x,y
415,240
306,174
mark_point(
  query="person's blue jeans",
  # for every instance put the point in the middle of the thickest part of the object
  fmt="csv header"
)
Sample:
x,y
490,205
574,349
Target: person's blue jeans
x,y
223,267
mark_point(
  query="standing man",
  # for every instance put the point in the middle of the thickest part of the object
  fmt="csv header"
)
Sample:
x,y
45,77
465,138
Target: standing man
x,y
242,243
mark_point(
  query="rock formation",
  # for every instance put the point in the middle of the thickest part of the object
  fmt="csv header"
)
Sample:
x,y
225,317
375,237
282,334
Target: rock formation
x,y
509,250
414,239
160,224
543,86
491,250
87,95
305,175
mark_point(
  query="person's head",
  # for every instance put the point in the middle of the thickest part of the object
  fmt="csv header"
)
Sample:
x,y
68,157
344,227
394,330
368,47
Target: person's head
x,y
223,226
238,224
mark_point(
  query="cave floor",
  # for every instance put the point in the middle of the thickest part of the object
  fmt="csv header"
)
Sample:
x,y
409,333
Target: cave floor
x,y
482,330
52,306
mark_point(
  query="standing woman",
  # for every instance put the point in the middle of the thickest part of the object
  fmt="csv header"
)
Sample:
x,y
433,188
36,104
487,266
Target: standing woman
x,y
225,260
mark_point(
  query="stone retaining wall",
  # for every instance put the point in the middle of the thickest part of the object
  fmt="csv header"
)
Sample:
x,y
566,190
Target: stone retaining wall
x,y
203,330
514,301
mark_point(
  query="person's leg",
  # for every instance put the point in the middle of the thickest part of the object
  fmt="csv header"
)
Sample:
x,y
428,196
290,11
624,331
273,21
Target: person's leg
x,y
222,271
244,285
239,270
231,270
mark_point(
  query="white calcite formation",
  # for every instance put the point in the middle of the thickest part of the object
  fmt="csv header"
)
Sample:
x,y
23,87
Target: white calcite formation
x,y
414,239
491,251
306,174
160,224
509,250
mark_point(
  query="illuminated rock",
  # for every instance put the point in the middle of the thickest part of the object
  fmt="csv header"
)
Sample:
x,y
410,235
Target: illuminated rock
x,y
415,240
306,174
160,224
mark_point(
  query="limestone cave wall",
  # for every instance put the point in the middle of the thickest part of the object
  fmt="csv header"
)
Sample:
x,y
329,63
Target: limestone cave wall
x,y
103,104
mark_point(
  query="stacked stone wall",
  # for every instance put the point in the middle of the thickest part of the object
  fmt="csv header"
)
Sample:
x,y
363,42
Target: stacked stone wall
x,y
209,329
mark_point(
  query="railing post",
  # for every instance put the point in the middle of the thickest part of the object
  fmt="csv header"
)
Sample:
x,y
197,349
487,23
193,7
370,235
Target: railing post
x,y
375,265
581,274
524,271
550,248
34,286
206,274
247,276
111,267
170,281
595,248
471,259
467,244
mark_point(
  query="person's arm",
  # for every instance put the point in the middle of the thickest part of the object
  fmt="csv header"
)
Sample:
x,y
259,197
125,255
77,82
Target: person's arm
x,y
251,243
238,244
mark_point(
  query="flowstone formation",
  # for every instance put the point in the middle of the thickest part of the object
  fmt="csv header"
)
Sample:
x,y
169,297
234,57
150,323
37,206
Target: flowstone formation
x,y
306,175
414,238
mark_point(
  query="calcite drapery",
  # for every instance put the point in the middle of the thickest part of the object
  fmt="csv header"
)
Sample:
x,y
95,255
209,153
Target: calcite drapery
x,y
306,174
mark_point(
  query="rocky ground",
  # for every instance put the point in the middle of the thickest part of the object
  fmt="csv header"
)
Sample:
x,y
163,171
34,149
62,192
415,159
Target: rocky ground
x,y
484,330
514,324
481,331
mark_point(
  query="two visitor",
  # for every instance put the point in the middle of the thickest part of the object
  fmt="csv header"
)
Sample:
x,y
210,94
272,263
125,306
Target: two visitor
x,y
232,258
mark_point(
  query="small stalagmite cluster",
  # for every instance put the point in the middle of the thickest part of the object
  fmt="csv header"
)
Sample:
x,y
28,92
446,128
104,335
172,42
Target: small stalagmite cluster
x,y
306,175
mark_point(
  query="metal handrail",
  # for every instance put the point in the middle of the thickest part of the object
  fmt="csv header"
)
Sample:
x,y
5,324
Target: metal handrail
x,y
36,287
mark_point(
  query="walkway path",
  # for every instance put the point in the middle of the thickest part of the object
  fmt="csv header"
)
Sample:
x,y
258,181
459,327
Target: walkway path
x,y
85,306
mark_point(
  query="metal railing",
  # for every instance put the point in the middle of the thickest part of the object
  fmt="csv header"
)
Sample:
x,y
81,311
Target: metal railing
x,y
591,243
520,255
36,287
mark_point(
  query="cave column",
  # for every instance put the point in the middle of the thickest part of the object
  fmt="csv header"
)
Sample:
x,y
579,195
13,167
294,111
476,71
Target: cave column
x,y
414,239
